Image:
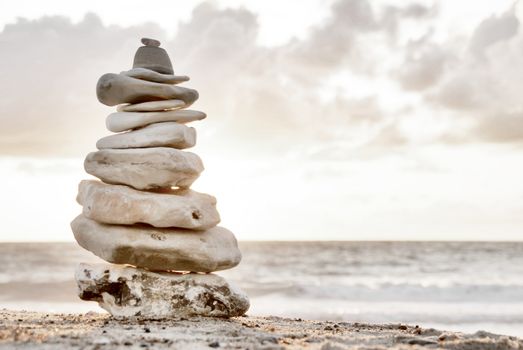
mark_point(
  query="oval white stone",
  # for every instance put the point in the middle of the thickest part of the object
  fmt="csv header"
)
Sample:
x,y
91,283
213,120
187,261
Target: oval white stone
x,y
145,168
121,121
154,135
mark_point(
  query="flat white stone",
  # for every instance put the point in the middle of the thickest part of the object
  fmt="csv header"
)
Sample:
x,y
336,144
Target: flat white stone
x,y
121,121
150,75
123,205
169,134
145,168
113,89
159,249
126,291
152,106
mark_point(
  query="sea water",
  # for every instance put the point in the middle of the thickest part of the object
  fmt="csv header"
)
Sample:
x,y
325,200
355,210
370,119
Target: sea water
x,y
463,286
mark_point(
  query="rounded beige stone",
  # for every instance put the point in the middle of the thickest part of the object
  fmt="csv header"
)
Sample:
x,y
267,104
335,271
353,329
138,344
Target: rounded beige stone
x,y
145,168
123,205
159,249
169,134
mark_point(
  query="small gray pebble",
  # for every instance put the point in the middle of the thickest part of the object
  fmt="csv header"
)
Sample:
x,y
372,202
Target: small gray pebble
x,y
150,42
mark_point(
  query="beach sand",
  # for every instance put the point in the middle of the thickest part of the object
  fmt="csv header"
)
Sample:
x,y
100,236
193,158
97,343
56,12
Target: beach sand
x,y
32,330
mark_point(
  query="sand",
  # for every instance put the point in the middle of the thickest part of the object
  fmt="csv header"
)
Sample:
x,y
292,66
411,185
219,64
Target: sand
x,y
32,330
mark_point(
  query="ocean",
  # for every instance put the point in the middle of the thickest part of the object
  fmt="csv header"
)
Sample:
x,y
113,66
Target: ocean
x,y
460,286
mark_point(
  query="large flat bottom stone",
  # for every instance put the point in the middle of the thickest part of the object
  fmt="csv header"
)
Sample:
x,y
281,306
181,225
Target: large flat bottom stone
x,y
126,291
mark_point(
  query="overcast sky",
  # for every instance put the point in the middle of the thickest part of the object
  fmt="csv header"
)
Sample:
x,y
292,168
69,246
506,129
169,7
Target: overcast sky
x,y
342,119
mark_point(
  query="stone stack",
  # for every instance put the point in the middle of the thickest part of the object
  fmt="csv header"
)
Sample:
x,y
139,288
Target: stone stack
x,y
142,215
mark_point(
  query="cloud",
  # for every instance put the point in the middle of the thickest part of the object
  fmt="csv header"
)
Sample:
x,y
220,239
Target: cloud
x,y
473,79
424,64
501,128
49,68
494,29
335,42
267,99
372,110
271,96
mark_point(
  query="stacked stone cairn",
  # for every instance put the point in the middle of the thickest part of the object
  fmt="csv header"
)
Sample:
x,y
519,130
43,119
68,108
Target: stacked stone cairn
x,y
142,215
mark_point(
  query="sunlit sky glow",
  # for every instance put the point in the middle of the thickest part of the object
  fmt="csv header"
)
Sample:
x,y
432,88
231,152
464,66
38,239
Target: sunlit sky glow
x,y
340,119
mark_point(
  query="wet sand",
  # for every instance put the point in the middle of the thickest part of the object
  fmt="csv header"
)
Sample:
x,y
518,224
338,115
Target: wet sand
x,y
32,330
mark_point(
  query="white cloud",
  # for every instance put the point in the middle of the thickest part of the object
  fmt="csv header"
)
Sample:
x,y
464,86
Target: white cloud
x,y
353,130
494,29
257,92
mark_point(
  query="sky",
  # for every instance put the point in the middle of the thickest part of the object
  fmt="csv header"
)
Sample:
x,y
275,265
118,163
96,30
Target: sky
x,y
337,120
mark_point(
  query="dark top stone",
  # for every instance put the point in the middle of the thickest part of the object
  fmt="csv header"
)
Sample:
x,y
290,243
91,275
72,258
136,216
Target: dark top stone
x,y
153,57
150,42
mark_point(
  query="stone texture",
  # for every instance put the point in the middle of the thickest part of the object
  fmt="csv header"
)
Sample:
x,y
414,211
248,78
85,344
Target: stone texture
x,y
121,121
159,249
145,168
125,291
113,89
117,204
153,106
169,134
150,75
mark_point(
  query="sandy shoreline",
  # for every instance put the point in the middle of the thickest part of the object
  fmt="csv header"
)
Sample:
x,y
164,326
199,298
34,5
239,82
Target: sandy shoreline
x,y
32,330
